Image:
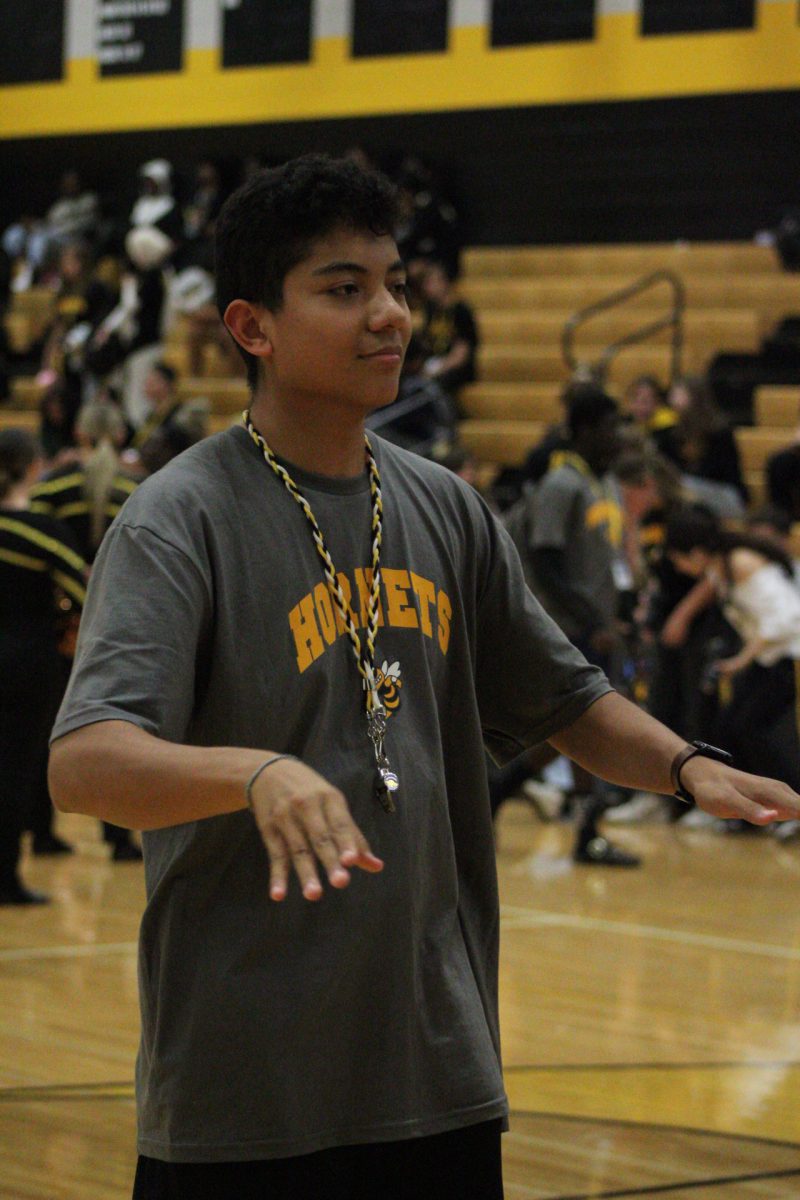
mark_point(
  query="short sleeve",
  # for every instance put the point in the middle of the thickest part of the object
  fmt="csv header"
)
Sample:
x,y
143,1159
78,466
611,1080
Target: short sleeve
x,y
554,519
148,608
773,602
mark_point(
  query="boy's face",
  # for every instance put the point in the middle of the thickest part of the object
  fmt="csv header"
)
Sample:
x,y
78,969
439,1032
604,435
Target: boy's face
x,y
344,325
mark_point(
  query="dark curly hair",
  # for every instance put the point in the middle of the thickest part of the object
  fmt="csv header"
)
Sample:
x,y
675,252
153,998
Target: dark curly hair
x,y
268,225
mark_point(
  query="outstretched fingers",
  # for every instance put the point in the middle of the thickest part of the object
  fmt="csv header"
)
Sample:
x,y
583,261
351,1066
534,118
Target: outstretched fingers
x,y
305,824
753,798
353,848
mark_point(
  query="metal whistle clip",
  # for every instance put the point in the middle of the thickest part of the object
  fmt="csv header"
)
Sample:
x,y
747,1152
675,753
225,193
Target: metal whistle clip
x,y
386,785
387,781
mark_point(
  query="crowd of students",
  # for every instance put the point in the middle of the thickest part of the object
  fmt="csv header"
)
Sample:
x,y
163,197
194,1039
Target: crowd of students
x,y
120,275
601,509
635,528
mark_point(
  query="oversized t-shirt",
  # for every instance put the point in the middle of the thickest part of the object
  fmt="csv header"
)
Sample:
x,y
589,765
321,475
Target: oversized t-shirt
x,y
269,1029
579,514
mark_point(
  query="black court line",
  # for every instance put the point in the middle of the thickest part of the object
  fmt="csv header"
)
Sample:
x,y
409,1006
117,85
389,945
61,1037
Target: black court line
x,y
691,1130
690,1185
735,1065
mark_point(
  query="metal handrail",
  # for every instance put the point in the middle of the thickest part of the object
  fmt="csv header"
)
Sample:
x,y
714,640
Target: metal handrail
x,y
640,334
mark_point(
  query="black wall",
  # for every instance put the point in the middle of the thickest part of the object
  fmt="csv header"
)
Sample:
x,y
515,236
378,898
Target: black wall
x,y
719,167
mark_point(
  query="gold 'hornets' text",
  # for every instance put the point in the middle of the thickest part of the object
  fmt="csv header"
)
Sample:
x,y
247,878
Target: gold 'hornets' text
x,y
407,602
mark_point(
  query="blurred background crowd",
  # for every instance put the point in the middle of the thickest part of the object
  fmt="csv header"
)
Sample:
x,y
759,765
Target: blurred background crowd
x,y
631,511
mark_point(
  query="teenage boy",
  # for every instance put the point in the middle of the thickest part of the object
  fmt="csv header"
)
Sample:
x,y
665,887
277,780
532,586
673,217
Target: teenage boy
x,y
574,538
296,645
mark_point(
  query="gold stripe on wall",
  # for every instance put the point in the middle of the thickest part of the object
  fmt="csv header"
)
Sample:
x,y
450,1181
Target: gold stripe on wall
x,y
617,65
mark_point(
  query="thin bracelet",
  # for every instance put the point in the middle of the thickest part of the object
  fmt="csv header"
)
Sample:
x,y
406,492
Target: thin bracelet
x,y
248,791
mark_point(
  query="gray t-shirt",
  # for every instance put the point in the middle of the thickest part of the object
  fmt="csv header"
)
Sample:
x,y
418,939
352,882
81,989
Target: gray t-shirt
x,y
579,514
268,1029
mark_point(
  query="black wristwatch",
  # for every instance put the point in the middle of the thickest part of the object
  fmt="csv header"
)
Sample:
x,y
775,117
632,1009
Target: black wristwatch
x,y
695,750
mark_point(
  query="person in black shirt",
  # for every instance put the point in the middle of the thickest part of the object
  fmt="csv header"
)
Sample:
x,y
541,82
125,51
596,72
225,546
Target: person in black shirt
x,y
449,333
39,570
86,494
701,443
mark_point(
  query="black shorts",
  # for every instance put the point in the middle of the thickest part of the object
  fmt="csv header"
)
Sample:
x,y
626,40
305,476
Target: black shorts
x,y
463,1162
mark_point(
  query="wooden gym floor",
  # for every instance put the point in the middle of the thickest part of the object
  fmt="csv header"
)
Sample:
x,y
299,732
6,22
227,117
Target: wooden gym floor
x,y
651,1019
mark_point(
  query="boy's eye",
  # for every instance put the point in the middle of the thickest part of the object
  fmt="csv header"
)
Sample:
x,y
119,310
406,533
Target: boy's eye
x,y
401,287
344,289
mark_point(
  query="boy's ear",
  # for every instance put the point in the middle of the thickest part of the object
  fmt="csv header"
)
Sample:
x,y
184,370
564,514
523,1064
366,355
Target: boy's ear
x,y
246,322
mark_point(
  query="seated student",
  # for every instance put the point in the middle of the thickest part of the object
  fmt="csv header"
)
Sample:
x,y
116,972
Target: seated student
x,y
423,418
449,333
702,445
645,404
82,302
169,427
314,635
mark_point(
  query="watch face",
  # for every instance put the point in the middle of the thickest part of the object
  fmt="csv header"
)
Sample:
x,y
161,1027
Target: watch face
x,y
712,751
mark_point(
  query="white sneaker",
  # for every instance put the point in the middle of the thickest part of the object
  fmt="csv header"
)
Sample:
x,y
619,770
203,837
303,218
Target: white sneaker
x,y
642,806
546,799
697,818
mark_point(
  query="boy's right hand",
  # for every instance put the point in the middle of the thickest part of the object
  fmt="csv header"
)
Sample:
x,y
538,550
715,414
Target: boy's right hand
x,y
304,820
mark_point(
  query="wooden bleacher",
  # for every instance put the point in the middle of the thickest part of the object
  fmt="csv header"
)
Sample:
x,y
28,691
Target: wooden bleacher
x,y
523,296
777,407
19,419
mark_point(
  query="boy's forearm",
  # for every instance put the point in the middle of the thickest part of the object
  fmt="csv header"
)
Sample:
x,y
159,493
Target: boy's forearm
x,y
621,743
118,772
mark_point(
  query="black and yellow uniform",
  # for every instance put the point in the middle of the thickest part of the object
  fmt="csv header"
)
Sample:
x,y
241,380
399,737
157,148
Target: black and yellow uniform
x,y
153,424
38,565
62,494
442,327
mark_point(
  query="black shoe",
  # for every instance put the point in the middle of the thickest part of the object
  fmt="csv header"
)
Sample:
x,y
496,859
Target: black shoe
x,y
601,853
17,893
48,843
126,852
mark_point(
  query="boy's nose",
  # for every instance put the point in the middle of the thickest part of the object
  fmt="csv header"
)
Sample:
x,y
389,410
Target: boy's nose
x,y
388,310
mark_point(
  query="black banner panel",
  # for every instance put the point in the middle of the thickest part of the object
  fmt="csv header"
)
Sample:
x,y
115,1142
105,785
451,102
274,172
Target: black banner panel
x,y
139,37
519,23
32,46
399,27
697,16
258,32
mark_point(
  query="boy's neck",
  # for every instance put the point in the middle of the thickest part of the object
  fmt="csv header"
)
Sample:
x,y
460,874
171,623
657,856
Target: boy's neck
x,y
324,443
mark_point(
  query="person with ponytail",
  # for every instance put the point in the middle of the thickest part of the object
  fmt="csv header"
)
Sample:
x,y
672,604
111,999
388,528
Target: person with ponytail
x,y
88,492
754,581
86,495
40,568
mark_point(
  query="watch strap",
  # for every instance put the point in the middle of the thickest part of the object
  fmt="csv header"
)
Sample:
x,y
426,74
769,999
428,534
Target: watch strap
x,y
693,750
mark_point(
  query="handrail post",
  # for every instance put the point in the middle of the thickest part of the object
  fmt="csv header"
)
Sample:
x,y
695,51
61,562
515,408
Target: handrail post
x,y
673,321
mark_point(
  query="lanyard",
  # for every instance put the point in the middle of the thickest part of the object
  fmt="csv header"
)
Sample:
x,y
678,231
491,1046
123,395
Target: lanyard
x,y
386,780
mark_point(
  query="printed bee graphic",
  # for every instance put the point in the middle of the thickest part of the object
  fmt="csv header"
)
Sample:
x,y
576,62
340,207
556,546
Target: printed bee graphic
x,y
389,684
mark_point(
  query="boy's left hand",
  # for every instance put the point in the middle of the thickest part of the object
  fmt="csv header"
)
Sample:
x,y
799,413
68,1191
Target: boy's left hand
x,y
725,792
